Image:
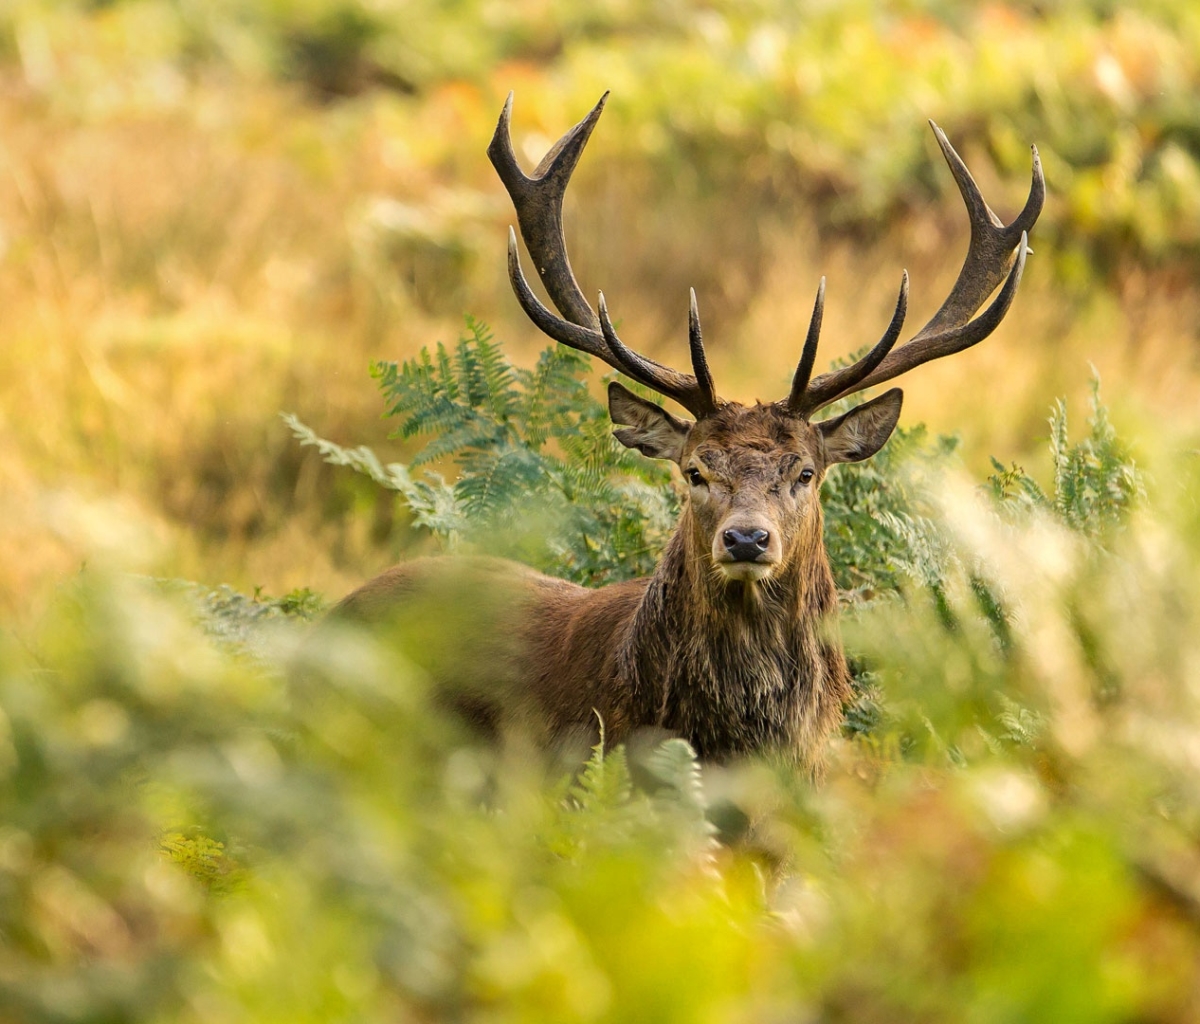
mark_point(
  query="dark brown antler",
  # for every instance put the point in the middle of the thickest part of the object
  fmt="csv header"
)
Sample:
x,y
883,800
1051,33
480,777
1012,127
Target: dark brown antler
x,y
538,201
996,253
802,396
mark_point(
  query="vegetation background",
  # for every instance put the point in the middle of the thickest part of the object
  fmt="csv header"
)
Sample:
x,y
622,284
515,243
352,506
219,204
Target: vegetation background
x,y
215,211
211,212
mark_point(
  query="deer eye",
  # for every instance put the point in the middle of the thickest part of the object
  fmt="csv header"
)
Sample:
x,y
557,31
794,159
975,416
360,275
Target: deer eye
x,y
803,480
694,476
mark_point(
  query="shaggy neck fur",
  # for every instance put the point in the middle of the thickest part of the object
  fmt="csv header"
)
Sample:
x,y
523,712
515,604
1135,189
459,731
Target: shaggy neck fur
x,y
739,666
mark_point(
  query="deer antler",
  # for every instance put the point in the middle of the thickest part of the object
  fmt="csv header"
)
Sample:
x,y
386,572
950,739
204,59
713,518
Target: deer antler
x,y
798,399
538,202
996,253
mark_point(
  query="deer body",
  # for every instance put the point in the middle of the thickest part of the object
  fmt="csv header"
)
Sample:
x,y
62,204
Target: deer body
x,y
730,643
734,654
674,651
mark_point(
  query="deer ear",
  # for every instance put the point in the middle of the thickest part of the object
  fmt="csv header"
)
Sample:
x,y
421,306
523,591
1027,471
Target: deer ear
x,y
648,427
861,432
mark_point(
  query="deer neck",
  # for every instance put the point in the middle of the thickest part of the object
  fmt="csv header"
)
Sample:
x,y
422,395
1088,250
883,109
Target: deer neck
x,y
798,593
703,649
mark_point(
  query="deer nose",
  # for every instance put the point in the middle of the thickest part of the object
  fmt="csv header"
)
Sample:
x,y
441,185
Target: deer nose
x,y
745,545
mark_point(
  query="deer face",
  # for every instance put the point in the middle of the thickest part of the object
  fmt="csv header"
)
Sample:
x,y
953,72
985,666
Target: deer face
x,y
753,473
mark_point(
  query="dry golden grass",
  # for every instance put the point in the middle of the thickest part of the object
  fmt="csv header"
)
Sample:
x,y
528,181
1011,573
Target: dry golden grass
x,y
184,258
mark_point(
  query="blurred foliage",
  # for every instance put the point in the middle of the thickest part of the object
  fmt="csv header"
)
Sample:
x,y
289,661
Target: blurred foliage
x,y
1096,482
837,91
252,821
871,508
237,620
892,532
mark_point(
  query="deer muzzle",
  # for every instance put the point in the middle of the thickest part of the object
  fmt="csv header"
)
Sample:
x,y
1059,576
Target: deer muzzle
x,y
746,551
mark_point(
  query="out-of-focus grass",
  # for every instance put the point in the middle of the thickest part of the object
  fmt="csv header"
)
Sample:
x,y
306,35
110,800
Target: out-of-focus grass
x,y
211,812
210,212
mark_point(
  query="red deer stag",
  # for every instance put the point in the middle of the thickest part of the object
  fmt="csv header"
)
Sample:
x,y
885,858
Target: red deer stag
x,y
728,643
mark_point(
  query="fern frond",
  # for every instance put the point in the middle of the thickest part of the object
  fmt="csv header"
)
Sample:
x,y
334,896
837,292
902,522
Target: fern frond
x,y
432,501
485,377
604,783
394,476
494,479
554,393
674,764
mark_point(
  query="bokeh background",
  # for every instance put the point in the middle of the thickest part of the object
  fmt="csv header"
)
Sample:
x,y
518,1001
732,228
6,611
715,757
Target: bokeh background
x,y
215,810
211,212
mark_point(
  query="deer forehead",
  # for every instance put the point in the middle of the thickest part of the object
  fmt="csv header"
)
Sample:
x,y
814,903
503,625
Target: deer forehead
x,y
758,439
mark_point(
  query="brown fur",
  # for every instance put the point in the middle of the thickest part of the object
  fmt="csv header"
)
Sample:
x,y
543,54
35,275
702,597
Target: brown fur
x,y
733,665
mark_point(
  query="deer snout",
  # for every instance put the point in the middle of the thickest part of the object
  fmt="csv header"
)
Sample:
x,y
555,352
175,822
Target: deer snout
x,y
747,550
746,545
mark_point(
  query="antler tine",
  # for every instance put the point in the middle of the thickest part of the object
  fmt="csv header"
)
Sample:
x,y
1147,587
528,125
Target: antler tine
x,y
694,395
704,381
808,357
953,339
538,202
570,334
698,398
849,379
990,253
996,254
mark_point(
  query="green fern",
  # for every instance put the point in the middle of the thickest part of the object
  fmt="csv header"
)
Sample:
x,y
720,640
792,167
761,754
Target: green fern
x,y
604,784
878,531
536,472
604,808
1096,481
431,500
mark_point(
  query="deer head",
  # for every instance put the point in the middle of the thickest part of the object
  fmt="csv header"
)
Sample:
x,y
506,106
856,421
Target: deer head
x,y
754,471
